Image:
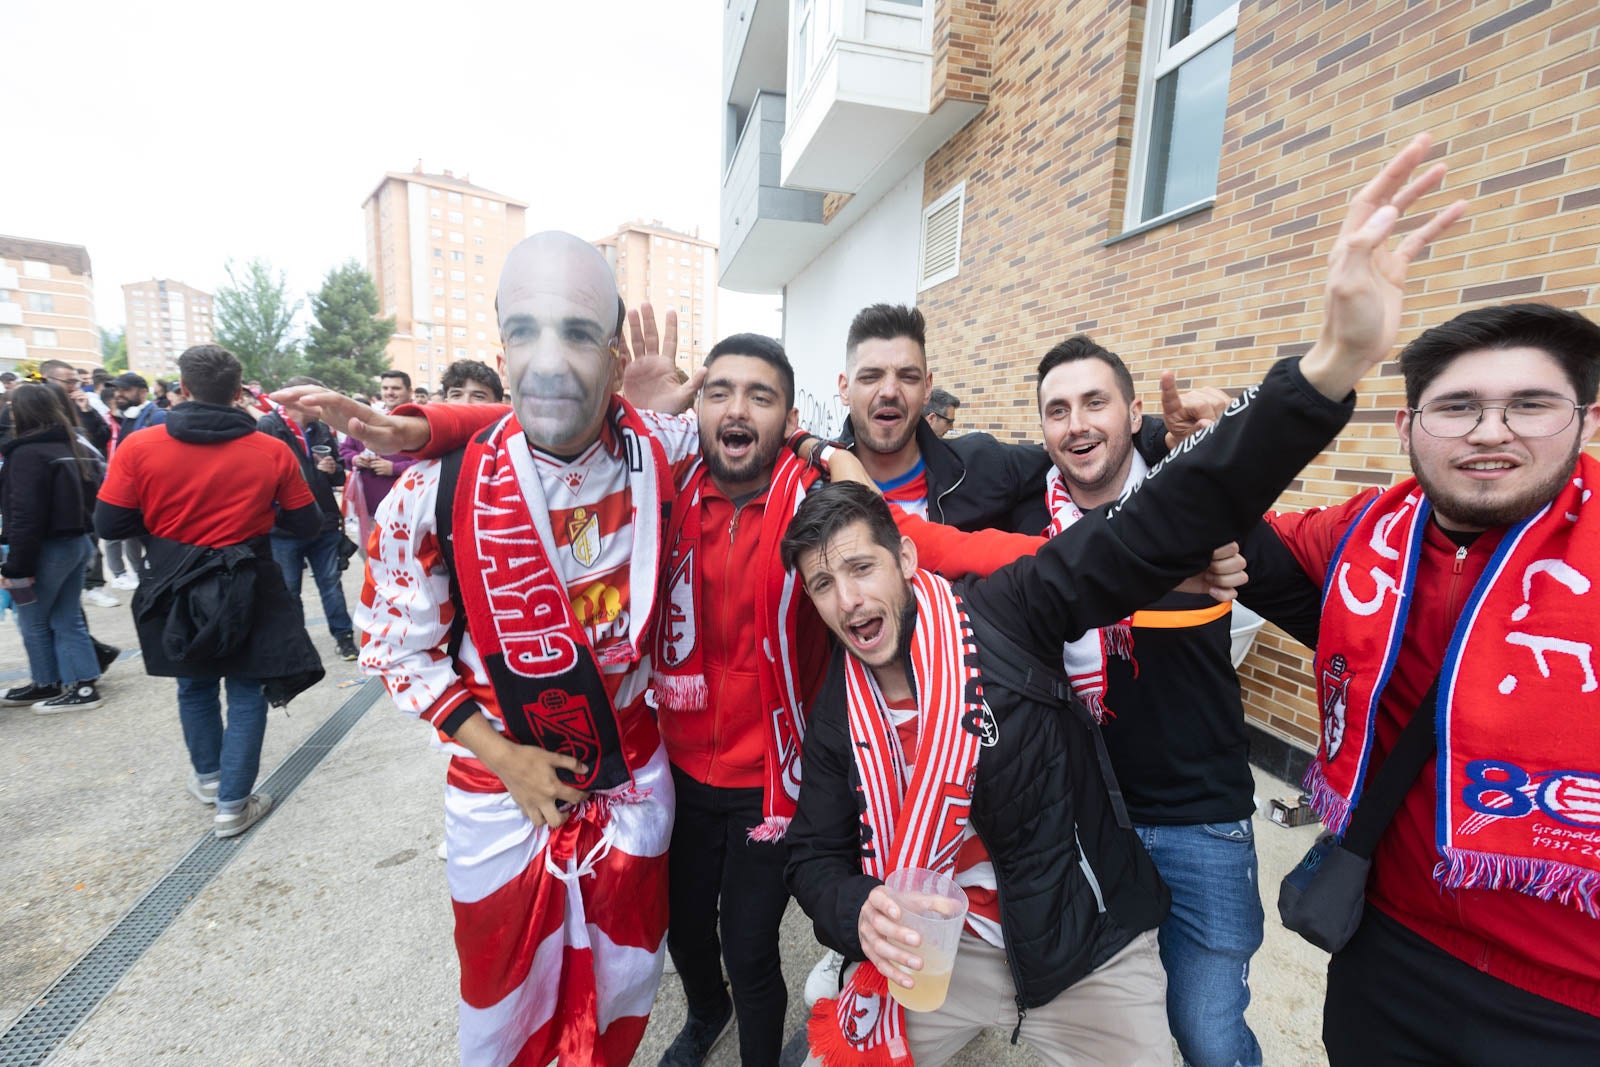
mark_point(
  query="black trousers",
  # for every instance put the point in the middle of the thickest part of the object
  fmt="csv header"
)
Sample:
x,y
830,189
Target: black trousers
x,y
1395,997
712,862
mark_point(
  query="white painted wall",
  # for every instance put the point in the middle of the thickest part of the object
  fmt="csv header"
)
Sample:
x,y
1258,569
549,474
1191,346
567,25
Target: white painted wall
x,y
873,261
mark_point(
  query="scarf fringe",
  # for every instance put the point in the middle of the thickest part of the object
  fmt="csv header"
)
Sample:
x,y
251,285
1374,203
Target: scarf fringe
x,y
770,830
1545,879
1332,808
681,692
829,1045
1095,701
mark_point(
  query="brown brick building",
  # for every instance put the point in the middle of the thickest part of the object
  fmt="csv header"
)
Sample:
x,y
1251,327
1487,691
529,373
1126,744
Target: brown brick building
x,y
1168,176
46,304
435,246
668,269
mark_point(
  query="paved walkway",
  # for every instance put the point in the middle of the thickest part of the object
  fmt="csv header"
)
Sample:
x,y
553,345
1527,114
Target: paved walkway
x,y
326,937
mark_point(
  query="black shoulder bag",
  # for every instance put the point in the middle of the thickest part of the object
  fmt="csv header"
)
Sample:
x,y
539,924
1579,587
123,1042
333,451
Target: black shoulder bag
x,y
1323,897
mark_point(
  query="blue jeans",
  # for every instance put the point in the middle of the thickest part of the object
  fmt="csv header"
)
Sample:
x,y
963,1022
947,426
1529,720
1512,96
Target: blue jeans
x,y
235,752
322,552
53,628
1209,936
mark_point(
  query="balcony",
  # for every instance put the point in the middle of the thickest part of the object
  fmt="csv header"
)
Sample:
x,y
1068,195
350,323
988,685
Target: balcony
x,y
13,348
768,232
10,314
8,277
861,106
755,38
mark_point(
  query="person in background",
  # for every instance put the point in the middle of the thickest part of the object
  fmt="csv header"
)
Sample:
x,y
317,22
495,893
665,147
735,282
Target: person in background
x,y
420,395
47,495
467,381
940,411
313,446
376,475
134,412
209,557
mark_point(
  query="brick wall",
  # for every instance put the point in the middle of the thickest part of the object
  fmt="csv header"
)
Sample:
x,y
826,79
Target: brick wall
x,y
1320,95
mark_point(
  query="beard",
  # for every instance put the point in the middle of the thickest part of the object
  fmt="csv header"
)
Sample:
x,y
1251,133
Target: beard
x,y
1114,456
1489,507
763,454
869,434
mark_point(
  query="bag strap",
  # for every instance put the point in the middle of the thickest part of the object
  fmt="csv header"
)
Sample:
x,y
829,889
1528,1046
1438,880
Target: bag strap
x,y
444,506
1006,663
1387,787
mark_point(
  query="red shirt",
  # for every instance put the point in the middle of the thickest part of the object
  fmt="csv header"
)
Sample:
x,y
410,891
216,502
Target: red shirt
x,y
211,494
1545,947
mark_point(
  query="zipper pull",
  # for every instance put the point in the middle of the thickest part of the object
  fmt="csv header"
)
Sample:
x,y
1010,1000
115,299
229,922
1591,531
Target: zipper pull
x,y
733,528
1022,1013
1461,557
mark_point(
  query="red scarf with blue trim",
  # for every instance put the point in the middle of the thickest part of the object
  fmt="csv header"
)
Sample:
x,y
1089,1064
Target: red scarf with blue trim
x,y
1518,767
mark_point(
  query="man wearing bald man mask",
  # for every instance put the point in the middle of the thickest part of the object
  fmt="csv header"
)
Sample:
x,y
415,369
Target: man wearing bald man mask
x,y
514,616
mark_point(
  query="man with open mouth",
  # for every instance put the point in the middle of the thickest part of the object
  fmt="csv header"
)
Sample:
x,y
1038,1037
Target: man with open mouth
x,y
940,739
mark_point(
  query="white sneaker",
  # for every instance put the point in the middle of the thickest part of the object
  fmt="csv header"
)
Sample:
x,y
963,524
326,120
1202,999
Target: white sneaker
x,y
443,852
204,792
823,981
234,823
100,598
125,580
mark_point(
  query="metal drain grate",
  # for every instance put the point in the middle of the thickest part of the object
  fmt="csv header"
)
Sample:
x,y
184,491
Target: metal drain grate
x,y
40,1030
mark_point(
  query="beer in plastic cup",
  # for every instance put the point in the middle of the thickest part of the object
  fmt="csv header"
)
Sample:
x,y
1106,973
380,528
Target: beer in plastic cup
x,y
936,908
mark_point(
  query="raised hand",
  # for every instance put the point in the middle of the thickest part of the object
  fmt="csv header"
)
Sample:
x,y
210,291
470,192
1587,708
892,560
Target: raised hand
x,y
379,432
1184,413
1367,277
650,369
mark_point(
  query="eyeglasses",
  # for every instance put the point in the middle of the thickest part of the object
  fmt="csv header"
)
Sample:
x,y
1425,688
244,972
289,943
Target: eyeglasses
x,y
1527,416
946,419
68,381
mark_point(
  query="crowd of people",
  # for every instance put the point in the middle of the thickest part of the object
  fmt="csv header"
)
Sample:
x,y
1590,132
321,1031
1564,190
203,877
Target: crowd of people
x,y
690,661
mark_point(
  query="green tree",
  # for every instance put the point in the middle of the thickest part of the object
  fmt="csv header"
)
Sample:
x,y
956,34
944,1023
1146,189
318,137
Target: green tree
x,y
114,351
254,321
349,342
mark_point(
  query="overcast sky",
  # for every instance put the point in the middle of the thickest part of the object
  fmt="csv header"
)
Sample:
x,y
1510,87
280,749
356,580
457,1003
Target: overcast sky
x,y
167,137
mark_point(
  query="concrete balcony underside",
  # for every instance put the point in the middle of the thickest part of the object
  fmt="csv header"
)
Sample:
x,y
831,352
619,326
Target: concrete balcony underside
x,y
768,232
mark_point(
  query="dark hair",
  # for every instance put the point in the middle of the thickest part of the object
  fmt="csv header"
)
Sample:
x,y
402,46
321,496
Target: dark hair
x,y
1568,337
43,406
211,373
302,379
402,375
827,511
885,322
762,347
51,364
1081,347
940,399
462,371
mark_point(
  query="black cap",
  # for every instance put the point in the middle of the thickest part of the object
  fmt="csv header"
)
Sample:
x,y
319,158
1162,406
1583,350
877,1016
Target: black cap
x,y
129,380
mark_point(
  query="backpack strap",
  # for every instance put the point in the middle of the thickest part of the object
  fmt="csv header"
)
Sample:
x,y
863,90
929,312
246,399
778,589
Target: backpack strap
x,y
1005,663
444,506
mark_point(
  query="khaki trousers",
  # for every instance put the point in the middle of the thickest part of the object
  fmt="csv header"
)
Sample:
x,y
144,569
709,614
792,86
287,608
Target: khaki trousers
x,y
1115,1016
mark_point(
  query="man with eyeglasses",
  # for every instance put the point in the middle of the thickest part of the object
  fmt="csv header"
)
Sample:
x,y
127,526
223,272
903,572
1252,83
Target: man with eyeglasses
x,y
940,411
1483,904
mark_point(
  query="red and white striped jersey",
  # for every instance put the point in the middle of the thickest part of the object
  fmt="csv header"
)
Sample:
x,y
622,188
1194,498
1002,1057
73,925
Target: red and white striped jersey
x,y
405,609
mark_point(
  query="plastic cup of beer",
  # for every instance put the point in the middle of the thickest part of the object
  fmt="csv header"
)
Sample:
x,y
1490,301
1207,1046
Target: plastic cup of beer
x,y
936,908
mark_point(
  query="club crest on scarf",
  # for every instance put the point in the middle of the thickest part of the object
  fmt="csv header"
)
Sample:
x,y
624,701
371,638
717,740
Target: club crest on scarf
x,y
1336,677
678,636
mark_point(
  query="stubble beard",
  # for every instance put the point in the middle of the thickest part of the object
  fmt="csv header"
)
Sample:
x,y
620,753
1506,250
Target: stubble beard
x,y
1469,511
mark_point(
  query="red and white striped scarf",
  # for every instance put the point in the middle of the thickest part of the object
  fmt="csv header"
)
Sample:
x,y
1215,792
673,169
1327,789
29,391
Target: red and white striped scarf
x,y
908,820
1085,658
1518,768
679,679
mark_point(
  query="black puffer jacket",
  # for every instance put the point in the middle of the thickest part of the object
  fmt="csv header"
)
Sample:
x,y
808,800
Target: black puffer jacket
x,y
1075,883
976,482
45,491
317,434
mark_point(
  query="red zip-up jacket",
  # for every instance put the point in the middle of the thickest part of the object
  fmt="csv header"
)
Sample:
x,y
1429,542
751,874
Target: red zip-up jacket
x,y
1545,947
725,745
